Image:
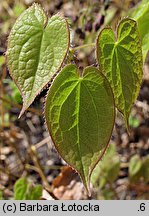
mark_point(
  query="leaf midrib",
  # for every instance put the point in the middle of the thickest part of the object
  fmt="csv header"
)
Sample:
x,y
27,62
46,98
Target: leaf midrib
x,y
78,129
78,81
115,51
38,60
128,67
93,105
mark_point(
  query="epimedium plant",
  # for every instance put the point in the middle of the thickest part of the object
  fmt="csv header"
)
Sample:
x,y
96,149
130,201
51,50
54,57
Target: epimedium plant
x,y
24,190
80,106
37,47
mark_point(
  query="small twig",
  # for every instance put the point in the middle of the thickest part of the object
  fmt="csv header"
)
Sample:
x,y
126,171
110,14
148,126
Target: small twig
x,y
2,91
13,145
82,46
33,154
43,142
51,167
30,167
54,167
8,9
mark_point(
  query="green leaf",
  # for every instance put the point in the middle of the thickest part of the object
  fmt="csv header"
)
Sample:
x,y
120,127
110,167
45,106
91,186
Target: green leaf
x,y
135,166
24,190
2,60
80,114
120,59
37,48
34,193
20,189
145,169
141,15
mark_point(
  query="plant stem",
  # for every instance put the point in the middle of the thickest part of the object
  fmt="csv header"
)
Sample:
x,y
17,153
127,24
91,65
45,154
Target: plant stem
x,y
2,92
8,8
51,167
43,142
33,154
30,167
82,46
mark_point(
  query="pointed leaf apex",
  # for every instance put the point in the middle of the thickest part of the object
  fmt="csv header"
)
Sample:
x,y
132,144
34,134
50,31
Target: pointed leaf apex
x,y
80,114
31,57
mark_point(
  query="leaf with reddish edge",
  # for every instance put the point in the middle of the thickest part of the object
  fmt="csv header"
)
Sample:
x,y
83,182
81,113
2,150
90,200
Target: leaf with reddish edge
x,y
80,114
37,47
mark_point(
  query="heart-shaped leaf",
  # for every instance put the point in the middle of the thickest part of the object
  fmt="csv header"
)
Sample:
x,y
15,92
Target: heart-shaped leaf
x,y
80,114
37,48
120,59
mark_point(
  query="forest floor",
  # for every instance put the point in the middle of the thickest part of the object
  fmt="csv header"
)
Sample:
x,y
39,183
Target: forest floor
x,y
26,150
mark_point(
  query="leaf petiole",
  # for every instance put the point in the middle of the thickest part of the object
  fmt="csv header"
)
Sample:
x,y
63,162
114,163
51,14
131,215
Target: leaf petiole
x,y
81,47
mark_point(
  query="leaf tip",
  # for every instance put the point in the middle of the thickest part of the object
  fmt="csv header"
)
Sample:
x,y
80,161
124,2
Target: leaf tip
x,y
22,111
87,187
127,126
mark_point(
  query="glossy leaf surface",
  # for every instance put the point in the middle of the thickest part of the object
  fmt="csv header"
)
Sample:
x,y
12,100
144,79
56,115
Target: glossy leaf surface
x,y
80,114
37,47
120,59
